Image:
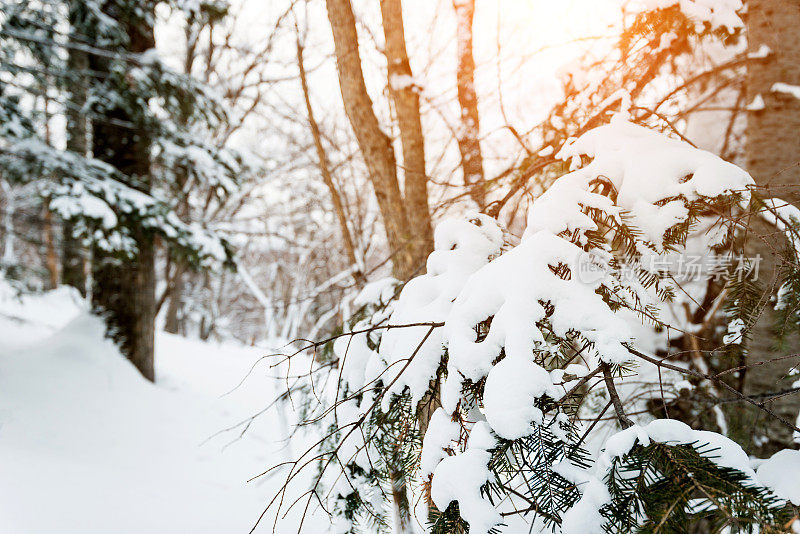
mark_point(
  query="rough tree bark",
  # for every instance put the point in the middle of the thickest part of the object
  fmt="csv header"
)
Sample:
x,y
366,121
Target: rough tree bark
x,y
327,177
406,102
124,291
375,145
773,159
73,269
469,131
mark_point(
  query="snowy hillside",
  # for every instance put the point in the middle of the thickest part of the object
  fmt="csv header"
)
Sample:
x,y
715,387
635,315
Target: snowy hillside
x,y
88,446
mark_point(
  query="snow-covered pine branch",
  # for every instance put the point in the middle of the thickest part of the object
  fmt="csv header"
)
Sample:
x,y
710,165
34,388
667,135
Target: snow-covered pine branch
x,y
100,203
103,209
526,331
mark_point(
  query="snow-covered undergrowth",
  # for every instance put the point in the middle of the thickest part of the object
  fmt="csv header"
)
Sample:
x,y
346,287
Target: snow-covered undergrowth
x,y
87,446
523,343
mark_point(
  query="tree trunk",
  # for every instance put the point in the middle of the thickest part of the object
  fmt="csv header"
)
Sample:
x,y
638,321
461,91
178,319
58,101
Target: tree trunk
x,y
406,102
208,320
9,255
375,145
48,232
174,316
124,290
773,153
174,320
51,256
469,131
324,169
73,270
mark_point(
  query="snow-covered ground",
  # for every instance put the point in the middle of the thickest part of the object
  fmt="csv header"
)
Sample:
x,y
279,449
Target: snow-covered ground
x,y
88,446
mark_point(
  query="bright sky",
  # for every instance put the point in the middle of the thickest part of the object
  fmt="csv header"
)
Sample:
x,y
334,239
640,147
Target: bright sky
x,y
538,37
548,22
535,37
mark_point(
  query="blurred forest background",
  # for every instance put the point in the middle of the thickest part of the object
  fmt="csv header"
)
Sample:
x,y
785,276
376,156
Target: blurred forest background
x,y
237,170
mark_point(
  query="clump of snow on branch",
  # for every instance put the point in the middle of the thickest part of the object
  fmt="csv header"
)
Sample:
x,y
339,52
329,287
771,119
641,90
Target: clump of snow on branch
x,y
511,290
511,390
785,217
92,194
584,516
460,477
726,453
442,431
534,294
736,329
757,104
646,169
781,473
461,247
